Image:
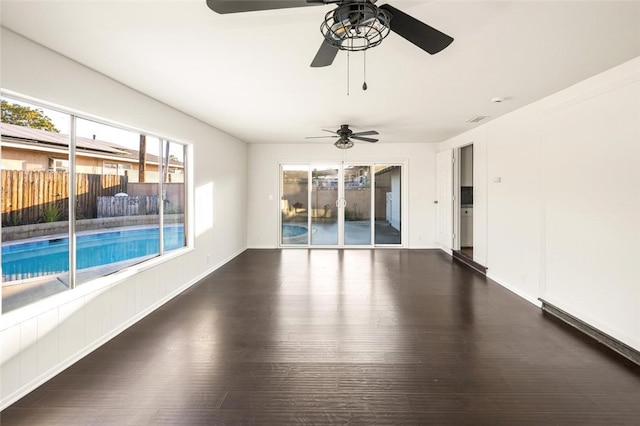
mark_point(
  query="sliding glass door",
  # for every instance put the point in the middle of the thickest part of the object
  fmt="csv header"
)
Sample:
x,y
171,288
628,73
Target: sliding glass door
x,y
294,202
325,206
357,205
348,205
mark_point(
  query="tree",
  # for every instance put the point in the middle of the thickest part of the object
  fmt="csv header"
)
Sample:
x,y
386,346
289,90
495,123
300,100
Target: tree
x,y
142,159
26,117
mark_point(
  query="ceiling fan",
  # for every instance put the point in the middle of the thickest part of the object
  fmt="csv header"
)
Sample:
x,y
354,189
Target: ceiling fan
x,y
345,134
353,25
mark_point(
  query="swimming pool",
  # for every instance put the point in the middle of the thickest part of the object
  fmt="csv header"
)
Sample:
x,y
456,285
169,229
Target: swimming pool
x,y
22,260
294,234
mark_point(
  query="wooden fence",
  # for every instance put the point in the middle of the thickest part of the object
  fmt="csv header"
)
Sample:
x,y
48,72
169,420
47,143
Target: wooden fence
x,y
133,205
37,196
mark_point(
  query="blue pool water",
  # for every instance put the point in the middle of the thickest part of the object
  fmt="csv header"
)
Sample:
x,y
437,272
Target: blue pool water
x,y
46,257
294,234
290,231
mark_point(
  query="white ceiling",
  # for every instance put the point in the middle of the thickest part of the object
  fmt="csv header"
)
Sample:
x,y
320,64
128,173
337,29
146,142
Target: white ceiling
x,y
248,74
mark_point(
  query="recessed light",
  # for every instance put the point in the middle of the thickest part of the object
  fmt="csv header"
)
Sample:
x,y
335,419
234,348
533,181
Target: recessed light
x,y
497,100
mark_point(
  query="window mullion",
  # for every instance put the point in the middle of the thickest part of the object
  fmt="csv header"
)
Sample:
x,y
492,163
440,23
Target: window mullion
x,y
72,201
160,197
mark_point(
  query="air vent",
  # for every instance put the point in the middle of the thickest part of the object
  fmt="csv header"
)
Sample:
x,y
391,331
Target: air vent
x,y
477,119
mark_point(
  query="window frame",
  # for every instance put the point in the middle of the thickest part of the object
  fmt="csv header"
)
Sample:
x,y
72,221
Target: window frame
x,y
53,164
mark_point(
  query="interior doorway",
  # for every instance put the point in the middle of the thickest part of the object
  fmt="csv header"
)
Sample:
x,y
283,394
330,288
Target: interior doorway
x,y
465,205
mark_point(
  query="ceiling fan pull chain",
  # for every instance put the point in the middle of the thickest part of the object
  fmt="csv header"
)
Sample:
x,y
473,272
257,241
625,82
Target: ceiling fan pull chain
x,y
364,85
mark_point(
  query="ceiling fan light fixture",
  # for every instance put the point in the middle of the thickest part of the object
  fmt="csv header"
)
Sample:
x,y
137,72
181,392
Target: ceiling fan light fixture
x,y
344,143
356,26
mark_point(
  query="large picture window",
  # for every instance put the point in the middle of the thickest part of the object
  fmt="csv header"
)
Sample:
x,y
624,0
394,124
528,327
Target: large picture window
x,y
119,195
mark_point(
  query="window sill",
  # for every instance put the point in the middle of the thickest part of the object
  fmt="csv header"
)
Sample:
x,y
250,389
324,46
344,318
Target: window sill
x,y
32,310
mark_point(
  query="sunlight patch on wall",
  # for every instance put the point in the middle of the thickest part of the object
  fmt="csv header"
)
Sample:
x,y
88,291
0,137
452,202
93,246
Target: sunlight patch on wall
x,y
204,208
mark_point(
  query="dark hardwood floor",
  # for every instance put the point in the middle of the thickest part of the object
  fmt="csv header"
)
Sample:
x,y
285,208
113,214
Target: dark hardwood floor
x,y
346,337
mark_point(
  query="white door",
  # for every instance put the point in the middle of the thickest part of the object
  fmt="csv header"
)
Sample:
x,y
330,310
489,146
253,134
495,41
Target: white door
x,y
444,193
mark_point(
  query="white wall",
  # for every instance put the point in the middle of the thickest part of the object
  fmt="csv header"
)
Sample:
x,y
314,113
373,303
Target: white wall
x,y
563,223
592,202
41,339
264,160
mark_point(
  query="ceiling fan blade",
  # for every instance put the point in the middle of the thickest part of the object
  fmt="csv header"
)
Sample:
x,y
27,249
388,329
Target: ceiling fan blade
x,y
325,56
360,138
330,131
368,132
422,35
235,6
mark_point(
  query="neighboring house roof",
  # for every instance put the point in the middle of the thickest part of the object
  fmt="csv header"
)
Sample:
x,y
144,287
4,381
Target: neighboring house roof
x,y
27,134
20,136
